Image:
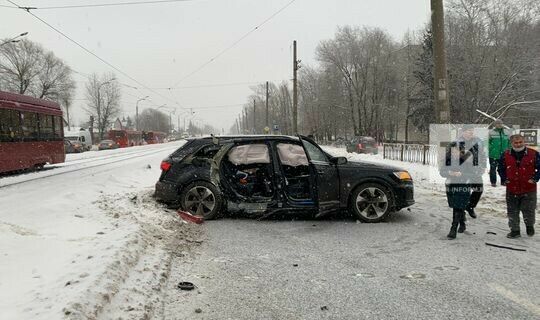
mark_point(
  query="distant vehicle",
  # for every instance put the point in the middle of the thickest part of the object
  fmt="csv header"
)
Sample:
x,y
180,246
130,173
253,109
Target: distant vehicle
x,y
152,137
31,132
362,144
107,144
126,138
83,136
73,147
185,135
271,173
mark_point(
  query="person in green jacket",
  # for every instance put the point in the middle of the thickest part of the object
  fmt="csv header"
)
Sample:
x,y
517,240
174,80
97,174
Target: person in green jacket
x,y
498,143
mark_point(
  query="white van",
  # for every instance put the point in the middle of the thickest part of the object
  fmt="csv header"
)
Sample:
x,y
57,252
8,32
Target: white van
x,y
81,135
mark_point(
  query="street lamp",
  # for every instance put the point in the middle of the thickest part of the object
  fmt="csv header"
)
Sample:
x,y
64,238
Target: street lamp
x,y
137,112
14,39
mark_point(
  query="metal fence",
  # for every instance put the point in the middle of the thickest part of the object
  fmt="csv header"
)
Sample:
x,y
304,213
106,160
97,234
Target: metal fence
x,y
418,153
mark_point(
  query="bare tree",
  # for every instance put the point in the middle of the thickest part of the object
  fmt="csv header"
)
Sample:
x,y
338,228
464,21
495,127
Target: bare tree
x,y
26,68
154,120
103,96
20,65
54,79
65,102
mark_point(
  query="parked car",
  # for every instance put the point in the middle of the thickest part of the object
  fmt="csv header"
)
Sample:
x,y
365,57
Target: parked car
x,y
362,144
107,144
73,146
269,173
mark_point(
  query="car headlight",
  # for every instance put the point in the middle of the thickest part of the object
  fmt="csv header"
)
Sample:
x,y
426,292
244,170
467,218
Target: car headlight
x,y
403,175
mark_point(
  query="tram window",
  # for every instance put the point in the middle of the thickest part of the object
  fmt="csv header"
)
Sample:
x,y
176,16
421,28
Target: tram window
x,y
57,127
29,126
46,129
9,125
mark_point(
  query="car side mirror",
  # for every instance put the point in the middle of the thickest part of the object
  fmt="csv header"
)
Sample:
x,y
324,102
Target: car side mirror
x,y
338,160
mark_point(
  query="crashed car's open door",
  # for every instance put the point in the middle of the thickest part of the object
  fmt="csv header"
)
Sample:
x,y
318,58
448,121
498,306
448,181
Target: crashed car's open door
x,y
326,176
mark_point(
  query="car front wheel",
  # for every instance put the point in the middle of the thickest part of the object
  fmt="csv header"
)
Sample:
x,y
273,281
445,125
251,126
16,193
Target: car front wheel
x,y
371,202
203,199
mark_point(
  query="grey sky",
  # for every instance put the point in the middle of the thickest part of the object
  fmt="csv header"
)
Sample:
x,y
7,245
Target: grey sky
x,y
159,44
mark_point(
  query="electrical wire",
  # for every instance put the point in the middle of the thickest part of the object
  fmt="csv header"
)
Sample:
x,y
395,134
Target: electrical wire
x,y
115,4
87,76
96,56
235,43
222,106
229,84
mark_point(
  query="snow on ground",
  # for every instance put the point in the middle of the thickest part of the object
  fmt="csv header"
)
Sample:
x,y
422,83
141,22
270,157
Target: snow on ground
x,y
74,243
86,240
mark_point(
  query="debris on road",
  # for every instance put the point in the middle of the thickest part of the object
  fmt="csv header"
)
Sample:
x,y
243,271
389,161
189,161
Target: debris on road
x,y
188,217
504,247
185,285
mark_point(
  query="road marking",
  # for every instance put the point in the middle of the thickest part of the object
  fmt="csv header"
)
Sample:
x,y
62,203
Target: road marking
x,y
515,298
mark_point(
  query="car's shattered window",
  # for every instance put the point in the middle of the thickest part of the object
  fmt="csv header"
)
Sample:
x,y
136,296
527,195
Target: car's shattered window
x,y
292,155
249,153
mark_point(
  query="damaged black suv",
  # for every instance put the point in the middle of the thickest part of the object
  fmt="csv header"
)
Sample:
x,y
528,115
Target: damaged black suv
x,y
269,174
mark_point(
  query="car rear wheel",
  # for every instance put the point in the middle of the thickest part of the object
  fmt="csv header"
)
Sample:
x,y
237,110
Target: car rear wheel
x,y
371,202
201,198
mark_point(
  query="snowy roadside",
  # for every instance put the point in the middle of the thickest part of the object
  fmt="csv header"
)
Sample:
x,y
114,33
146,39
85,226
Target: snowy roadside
x,y
129,285
89,243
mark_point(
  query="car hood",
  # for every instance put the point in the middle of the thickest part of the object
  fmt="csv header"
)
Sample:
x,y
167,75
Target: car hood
x,y
370,166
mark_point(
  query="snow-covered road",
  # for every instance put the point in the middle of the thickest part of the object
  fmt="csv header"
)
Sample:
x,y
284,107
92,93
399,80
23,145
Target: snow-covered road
x,y
71,235
85,240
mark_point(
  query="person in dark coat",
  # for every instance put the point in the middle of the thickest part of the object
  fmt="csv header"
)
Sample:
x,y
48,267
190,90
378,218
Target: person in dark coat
x,y
462,167
519,169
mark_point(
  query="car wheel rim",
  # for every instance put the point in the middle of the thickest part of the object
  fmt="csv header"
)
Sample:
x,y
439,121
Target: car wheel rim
x,y
372,203
200,201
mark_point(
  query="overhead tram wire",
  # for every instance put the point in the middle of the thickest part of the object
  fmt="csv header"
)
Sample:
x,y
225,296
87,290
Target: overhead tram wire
x,y
235,43
114,4
95,55
229,84
218,107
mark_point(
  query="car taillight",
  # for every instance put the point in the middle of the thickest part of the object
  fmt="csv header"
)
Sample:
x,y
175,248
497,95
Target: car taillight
x,y
359,146
165,166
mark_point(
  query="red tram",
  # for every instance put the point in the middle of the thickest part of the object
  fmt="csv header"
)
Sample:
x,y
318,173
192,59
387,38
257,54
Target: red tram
x,y
152,137
126,138
31,132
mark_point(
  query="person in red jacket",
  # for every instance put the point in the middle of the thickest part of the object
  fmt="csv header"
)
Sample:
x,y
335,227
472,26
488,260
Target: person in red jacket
x,y
519,169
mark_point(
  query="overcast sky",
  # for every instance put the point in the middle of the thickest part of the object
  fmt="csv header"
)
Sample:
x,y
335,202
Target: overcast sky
x,y
160,44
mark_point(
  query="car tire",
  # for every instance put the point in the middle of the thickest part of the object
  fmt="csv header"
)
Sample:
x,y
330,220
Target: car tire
x,y
371,202
201,198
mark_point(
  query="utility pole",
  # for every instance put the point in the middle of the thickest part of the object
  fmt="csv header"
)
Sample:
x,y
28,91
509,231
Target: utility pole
x,y
254,117
244,116
295,91
266,122
442,108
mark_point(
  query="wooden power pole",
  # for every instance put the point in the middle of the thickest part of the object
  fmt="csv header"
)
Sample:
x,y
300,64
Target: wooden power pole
x,y
442,105
254,117
295,91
